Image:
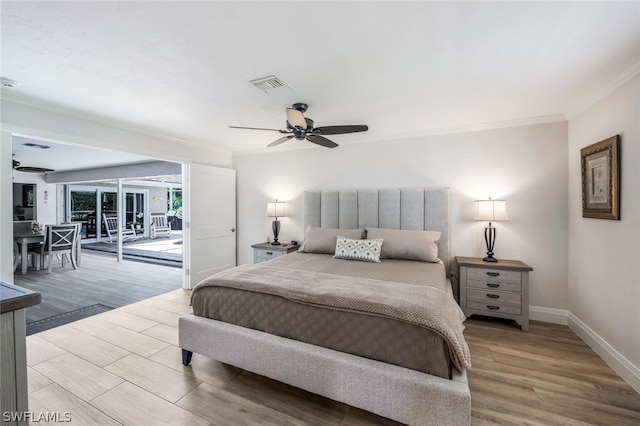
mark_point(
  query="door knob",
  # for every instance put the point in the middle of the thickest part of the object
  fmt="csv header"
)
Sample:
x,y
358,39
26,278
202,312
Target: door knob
x,y
233,229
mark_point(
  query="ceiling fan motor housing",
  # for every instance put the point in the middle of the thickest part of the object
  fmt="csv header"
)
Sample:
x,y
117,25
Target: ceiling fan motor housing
x,y
299,134
300,106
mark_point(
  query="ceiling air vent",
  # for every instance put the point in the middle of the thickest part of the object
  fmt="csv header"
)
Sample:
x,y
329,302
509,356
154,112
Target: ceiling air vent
x,y
270,82
36,145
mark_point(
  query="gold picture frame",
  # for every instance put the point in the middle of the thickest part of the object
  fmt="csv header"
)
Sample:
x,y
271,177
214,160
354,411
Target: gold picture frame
x,y
600,179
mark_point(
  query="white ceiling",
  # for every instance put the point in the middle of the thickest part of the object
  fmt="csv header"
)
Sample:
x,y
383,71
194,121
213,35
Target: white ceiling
x,y
63,157
182,68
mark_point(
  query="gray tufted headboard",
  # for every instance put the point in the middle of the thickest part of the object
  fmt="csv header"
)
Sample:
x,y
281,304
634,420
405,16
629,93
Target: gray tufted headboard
x,y
411,208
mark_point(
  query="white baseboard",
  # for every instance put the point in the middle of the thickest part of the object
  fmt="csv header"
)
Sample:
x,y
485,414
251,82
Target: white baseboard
x,y
629,372
551,315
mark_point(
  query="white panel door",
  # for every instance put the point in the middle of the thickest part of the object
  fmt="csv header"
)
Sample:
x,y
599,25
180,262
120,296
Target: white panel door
x,y
211,221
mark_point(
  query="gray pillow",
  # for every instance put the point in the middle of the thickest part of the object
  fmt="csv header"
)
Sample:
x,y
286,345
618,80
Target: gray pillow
x,y
323,240
407,244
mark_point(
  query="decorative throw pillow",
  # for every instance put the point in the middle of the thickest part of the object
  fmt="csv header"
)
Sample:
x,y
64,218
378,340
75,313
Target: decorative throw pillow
x,y
323,240
407,244
366,250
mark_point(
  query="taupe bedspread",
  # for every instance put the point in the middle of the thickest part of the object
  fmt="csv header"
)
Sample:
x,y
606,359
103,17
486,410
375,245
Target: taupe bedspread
x,y
403,271
418,304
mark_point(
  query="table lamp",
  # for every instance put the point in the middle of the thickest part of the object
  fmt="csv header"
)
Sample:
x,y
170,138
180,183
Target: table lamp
x,y
490,210
277,209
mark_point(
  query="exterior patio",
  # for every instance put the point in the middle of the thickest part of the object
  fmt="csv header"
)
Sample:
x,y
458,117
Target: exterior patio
x,y
161,251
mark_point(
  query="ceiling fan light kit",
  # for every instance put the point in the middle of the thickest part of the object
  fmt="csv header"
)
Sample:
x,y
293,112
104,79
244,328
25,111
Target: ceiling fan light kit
x,y
301,128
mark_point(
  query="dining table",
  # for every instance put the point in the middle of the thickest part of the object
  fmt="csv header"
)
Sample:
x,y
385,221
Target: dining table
x,y
23,238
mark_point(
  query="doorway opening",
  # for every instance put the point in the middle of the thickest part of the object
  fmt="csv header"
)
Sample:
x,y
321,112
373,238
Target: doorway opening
x,y
85,196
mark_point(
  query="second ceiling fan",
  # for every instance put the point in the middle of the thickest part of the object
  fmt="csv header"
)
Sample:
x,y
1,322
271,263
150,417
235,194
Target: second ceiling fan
x,y
301,128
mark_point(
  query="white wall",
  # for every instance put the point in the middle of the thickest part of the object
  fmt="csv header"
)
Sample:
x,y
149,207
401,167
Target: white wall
x,y
45,204
525,165
604,255
6,208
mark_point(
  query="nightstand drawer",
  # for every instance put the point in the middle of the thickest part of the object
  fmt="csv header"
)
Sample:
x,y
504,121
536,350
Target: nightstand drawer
x,y
494,307
493,297
262,255
495,285
266,251
494,275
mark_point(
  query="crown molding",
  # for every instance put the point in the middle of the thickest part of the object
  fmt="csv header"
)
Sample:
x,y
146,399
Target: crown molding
x,y
521,122
623,78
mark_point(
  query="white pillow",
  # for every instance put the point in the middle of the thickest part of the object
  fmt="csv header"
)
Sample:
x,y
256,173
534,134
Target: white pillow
x,y
366,250
407,244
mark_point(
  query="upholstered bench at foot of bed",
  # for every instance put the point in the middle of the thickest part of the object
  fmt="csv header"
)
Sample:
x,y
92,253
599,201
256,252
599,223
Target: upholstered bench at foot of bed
x,y
395,392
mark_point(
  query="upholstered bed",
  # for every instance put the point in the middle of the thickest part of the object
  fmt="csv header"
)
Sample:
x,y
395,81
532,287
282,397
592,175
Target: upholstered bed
x,y
383,335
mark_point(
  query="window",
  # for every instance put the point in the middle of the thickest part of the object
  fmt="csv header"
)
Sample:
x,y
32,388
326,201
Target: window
x,y
174,199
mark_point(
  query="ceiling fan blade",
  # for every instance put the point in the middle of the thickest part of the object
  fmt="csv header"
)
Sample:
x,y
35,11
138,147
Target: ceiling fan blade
x,y
279,141
319,140
295,118
258,128
337,130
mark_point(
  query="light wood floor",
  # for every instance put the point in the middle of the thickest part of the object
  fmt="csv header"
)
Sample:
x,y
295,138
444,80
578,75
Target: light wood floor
x,y
123,367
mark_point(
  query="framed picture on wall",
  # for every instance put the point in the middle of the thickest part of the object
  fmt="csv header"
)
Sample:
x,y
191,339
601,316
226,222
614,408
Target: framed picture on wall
x,y
600,179
27,195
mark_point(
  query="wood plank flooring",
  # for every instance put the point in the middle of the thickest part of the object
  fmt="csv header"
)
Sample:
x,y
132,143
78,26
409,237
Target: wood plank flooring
x,y
99,279
124,367
547,376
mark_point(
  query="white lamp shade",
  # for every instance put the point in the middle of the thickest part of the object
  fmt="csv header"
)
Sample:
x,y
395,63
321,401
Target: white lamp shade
x,y
491,210
277,209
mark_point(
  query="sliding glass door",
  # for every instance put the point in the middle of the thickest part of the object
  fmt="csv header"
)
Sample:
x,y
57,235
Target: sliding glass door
x,y
87,204
134,210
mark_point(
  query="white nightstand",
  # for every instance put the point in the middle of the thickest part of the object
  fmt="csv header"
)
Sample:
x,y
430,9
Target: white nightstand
x,y
497,289
266,251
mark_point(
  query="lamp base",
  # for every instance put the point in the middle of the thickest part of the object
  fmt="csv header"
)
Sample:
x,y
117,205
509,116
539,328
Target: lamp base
x,y
490,239
275,227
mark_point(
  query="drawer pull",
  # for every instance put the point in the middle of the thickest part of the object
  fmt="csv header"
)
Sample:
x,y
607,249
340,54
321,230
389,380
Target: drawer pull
x,y
493,308
493,296
493,285
493,274
269,253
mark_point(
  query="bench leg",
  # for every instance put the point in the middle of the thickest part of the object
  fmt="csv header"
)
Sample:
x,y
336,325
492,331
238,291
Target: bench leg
x,y
186,357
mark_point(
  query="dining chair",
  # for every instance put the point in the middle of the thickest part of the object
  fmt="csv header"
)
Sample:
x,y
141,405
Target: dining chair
x,y
33,249
77,253
59,240
16,256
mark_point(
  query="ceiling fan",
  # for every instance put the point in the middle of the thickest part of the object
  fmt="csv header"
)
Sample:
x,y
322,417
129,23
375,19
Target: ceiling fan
x,y
29,169
301,128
